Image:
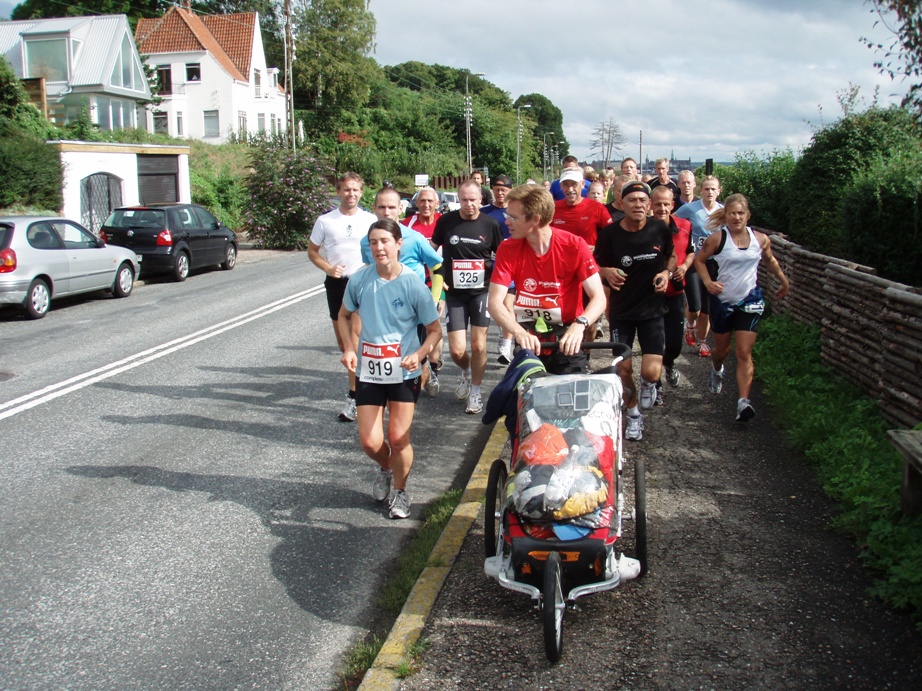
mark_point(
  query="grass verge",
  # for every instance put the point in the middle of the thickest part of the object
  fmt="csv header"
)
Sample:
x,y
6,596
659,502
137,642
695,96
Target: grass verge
x,y
411,562
841,431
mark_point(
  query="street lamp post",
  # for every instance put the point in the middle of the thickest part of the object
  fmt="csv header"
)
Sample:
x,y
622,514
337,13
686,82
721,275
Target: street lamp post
x,y
544,152
518,140
468,111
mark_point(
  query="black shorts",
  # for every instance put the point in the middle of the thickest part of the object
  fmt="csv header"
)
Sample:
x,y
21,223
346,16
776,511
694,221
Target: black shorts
x,y
368,393
726,318
464,307
336,290
694,292
650,333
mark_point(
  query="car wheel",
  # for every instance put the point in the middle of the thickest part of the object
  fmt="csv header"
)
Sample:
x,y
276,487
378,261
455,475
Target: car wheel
x,y
181,266
124,281
230,257
38,299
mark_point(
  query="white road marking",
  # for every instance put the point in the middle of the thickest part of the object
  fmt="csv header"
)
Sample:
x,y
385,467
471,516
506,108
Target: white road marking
x,y
49,393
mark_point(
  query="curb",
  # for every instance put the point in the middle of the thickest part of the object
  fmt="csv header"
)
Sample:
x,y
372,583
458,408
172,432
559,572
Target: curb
x,y
409,625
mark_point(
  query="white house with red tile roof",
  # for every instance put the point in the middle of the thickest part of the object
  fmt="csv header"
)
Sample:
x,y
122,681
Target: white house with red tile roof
x,y
213,76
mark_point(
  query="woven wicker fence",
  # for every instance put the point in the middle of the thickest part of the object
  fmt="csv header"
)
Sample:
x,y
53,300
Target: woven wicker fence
x,y
871,327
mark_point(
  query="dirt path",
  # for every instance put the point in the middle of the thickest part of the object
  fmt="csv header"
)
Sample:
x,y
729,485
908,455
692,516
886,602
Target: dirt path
x,y
747,587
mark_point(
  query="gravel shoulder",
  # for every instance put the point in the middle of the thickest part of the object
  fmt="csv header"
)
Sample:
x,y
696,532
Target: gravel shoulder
x,y
747,587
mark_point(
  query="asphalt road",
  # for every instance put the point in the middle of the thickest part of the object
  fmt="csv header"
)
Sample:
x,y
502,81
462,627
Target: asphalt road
x,y
179,507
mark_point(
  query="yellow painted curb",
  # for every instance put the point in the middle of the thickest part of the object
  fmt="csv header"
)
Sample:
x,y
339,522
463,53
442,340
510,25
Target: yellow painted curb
x,y
412,619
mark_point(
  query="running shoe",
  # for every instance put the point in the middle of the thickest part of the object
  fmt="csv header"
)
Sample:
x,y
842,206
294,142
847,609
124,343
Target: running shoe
x,y
647,394
704,350
672,376
464,386
349,411
381,487
505,352
690,337
744,410
659,393
400,504
716,380
474,403
432,384
634,427
436,366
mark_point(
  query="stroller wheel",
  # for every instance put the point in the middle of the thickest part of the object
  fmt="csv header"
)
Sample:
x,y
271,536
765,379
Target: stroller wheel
x,y
640,514
493,508
553,607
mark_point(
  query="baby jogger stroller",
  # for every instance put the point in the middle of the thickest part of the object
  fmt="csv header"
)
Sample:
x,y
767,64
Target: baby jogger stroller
x,y
552,526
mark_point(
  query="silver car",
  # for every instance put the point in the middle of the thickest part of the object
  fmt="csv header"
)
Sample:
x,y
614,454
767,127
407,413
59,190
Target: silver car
x,y
47,257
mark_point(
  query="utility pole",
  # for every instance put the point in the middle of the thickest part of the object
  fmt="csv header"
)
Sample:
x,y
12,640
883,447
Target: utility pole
x,y
289,82
544,153
468,112
640,156
518,140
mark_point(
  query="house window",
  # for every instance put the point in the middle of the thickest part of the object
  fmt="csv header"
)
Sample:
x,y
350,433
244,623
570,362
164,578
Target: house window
x,y
212,125
193,72
161,124
242,124
257,82
47,59
165,79
103,118
260,122
272,124
116,115
178,124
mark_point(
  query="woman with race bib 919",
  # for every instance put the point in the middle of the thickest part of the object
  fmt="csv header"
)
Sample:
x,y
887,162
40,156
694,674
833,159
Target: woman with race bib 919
x,y
385,354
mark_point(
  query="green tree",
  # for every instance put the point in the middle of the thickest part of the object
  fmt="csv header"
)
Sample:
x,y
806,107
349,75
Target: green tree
x,y
134,9
765,181
332,68
548,118
829,164
903,57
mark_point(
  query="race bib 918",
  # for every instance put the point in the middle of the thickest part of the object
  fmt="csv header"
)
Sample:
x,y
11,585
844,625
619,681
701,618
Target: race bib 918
x,y
529,308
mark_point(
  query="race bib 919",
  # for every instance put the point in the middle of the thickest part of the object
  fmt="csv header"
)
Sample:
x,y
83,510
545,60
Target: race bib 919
x,y
381,363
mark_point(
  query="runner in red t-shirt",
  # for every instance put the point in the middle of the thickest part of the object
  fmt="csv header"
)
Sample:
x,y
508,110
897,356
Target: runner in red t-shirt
x,y
423,221
550,269
580,216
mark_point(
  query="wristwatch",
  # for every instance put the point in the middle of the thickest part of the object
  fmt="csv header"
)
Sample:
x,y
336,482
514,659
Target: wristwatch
x,y
582,321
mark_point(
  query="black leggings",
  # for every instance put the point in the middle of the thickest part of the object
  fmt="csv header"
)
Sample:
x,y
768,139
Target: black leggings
x,y
674,327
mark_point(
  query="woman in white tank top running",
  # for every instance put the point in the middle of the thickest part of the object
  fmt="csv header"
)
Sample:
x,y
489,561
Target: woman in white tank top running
x,y
728,264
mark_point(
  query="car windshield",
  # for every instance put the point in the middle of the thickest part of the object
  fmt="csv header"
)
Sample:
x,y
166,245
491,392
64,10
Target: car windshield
x,y
6,234
137,218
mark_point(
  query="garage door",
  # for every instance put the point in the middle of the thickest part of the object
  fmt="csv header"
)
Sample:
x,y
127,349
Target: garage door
x,y
158,178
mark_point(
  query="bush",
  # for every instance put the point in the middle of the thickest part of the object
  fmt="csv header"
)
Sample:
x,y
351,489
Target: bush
x,y
765,183
33,174
882,215
842,432
831,162
288,191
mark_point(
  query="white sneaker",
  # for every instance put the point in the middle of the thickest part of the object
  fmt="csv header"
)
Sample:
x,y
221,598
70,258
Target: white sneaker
x,y
634,428
381,487
505,352
744,410
672,375
432,384
464,387
349,411
647,394
474,404
400,504
716,380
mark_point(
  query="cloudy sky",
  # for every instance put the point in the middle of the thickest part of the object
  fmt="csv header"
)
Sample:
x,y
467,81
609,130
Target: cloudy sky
x,y
702,79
